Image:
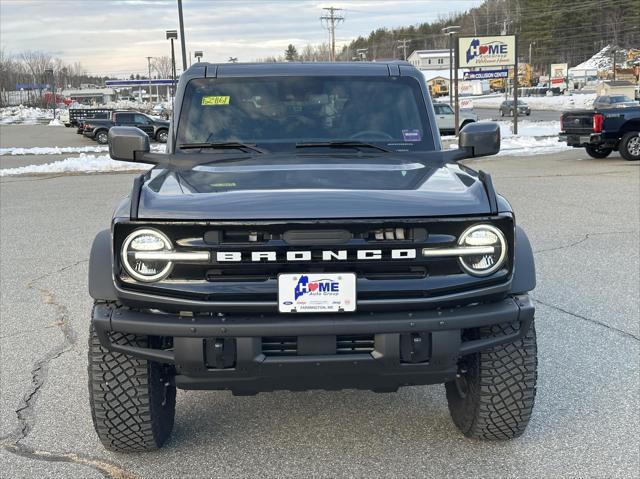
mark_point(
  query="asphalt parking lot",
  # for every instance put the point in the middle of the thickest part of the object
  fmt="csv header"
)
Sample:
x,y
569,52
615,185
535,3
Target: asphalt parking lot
x,y
583,218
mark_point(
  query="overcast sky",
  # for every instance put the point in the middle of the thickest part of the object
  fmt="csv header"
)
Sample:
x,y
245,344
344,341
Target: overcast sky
x,y
114,36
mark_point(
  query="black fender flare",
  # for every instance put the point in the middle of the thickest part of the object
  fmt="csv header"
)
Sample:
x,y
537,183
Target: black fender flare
x,y
101,285
524,268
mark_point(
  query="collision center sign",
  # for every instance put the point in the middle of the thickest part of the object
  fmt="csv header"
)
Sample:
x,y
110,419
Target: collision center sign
x,y
496,51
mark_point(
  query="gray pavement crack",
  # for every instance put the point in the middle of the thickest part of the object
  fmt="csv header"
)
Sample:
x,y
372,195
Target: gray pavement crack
x,y
590,320
26,410
582,240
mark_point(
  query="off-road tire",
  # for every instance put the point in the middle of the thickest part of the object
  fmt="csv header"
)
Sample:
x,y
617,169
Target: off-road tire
x,y
597,152
132,400
102,137
493,398
629,145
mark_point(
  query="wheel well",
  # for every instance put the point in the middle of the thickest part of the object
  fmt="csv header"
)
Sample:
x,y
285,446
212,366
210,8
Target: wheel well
x,y
631,125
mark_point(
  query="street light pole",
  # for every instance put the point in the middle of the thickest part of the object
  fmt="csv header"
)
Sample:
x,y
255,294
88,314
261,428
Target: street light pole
x,y
451,30
182,40
53,89
172,35
149,65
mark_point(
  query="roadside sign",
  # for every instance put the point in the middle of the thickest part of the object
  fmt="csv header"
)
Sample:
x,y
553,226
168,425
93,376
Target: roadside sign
x,y
486,74
486,51
559,73
466,104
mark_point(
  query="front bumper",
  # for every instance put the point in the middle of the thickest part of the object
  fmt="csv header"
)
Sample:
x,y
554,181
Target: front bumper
x,y
314,365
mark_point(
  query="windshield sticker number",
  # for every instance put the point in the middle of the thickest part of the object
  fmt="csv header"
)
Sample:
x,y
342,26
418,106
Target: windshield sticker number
x,y
411,135
215,100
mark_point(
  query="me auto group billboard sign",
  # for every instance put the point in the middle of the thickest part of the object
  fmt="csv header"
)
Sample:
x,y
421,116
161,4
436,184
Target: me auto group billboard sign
x,y
477,52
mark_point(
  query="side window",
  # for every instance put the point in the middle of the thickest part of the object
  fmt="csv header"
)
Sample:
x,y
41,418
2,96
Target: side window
x,y
125,118
141,120
447,110
438,109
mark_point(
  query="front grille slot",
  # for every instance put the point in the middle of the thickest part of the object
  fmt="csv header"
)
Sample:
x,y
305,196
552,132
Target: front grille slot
x,y
280,346
354,344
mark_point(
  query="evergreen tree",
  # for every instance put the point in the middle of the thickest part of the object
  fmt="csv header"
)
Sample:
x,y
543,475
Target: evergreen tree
x,y
291,54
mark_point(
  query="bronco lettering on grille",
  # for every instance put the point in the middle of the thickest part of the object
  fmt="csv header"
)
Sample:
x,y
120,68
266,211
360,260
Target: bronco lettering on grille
x,y
306,255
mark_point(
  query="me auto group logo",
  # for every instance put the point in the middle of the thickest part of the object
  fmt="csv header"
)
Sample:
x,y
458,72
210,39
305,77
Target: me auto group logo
x,y
312,288
487,51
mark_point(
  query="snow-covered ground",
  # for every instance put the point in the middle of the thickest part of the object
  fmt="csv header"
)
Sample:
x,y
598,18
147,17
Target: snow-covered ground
x,y
60,150
533,138
51,150
26,115
78,164
554,103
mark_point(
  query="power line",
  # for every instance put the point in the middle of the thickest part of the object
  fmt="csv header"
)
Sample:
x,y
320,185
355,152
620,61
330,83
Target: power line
x,y
330,20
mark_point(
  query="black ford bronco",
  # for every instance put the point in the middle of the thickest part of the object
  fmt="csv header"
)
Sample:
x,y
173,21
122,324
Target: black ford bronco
x,y
306,230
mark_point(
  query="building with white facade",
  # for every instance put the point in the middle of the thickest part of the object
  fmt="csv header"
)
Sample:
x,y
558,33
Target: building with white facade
x,y
430,59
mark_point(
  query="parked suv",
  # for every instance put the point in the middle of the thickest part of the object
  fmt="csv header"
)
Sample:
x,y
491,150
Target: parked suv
x,y
614,101
446,118
306,230
98,129
507,108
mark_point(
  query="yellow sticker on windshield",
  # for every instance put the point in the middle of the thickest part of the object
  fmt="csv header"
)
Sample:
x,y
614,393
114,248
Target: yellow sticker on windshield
x,y
215,100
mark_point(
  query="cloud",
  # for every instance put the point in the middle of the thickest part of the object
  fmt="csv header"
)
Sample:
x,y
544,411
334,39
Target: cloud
x,y
115,36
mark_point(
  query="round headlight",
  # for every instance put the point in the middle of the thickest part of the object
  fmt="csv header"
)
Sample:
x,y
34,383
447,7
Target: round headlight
x,y
490,238
143,241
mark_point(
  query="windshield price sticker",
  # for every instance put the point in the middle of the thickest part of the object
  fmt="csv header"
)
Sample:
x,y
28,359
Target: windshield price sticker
x,y
215,100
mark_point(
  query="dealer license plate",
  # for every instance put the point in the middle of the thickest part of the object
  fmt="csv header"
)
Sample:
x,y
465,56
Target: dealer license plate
x,y
317,293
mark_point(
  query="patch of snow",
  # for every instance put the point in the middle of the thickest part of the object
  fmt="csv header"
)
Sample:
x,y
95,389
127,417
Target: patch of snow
x,y
56,122
83,164
26,115
52,150
59,150
533,138
551,103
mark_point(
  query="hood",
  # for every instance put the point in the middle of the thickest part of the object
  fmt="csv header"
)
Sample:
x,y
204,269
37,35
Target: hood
x,y
281,187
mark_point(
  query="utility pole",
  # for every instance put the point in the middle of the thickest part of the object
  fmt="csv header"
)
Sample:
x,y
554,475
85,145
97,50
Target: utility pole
x,y
149,65
182,40
403,44
330,20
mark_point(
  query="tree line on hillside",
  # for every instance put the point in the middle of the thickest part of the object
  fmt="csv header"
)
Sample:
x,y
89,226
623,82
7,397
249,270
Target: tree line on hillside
x,y
559,31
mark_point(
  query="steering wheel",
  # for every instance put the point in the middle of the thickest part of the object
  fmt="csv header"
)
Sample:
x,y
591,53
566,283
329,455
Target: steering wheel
x,y
368,134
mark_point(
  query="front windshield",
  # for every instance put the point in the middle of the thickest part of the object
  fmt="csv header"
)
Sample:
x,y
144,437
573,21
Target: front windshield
x,y
278,113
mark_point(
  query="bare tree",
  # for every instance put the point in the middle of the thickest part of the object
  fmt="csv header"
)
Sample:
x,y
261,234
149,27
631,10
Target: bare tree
x,y
162,65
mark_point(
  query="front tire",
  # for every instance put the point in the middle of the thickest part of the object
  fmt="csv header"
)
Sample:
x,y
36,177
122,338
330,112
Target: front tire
x,y
598,152
102,137
630,146
132,400
493,397
162,136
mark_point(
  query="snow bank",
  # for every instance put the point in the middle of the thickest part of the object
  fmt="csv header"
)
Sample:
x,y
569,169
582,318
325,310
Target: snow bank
x,y
533,138
83,163
552,103
24,115
56,122
52,150
59,150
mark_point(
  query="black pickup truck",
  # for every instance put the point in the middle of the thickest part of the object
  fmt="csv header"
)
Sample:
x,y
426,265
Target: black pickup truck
x,y
98,129
602,131
307,230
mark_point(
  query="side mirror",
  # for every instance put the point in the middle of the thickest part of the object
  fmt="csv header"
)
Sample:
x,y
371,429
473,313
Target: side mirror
x,y
126,141
479,139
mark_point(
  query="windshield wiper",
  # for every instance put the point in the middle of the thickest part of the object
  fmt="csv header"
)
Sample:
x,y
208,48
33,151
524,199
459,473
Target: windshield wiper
x,y
228,145
341,144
